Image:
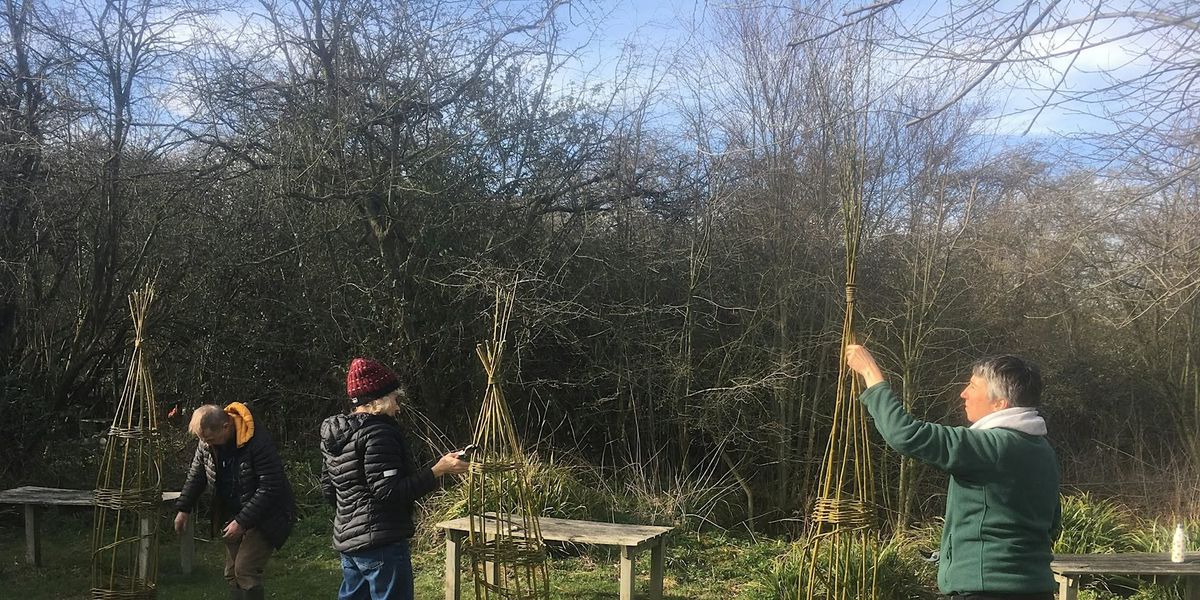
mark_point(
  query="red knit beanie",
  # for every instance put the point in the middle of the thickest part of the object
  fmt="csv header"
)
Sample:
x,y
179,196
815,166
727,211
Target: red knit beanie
x,y
368,380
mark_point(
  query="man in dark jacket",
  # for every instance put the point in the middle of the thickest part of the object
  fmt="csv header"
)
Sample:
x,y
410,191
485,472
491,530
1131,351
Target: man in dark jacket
x,y
370,479
251,493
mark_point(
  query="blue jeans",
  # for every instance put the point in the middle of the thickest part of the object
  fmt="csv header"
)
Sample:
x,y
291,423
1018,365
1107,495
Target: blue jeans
x,y
383,573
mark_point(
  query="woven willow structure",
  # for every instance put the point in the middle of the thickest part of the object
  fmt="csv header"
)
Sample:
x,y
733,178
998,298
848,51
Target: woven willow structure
x,y
508,555
838,560
129,485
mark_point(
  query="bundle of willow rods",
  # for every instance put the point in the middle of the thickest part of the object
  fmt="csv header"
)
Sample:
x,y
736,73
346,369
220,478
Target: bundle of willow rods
x,y
129,484
508,554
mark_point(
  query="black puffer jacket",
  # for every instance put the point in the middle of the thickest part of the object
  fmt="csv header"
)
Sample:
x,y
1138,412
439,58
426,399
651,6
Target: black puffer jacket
x,y
370,478
267,500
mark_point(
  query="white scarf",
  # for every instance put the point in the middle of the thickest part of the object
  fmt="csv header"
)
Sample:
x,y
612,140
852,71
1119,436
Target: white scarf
x,y
1019,418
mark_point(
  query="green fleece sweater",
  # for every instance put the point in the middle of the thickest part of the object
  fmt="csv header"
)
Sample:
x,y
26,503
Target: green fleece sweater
x,y
1002,506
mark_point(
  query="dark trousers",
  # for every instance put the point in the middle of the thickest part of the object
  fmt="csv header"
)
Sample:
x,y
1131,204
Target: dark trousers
x,y
1043,596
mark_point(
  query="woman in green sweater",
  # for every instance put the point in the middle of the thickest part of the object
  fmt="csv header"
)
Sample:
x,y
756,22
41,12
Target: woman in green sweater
x,y
1002,505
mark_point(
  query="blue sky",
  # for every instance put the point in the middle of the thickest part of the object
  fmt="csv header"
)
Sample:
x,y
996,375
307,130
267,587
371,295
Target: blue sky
x,y
609,29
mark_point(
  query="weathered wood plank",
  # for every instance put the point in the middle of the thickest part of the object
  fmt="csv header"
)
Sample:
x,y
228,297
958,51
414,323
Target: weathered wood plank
x,y
33,497
454,565
628,578
1139,563
570,530
1191,588
1068,587
45,496
657,566
187,546
33,536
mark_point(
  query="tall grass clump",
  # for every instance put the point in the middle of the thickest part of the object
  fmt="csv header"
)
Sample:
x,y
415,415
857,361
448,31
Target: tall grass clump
x,y
1097,526
561,490
900,574
689,501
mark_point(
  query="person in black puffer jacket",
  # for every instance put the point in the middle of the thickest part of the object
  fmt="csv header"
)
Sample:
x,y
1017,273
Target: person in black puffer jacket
x,y
371,480
251,493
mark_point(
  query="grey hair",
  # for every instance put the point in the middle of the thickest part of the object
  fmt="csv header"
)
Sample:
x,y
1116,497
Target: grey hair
x,y
1010,377
207,418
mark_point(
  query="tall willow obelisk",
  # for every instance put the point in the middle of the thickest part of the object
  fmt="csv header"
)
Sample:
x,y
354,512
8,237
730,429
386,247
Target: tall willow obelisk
x,y
508,555
129,485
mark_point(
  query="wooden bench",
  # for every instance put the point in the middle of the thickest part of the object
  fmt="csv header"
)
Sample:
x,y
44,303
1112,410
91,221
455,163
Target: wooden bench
x,y
630,538
35,498
1069,568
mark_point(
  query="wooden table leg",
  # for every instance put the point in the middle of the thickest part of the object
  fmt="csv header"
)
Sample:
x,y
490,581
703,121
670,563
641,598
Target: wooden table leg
x,y
1191,588
491,569
454,565
187,547
628,554
1068,587
657,558
145,534
33,536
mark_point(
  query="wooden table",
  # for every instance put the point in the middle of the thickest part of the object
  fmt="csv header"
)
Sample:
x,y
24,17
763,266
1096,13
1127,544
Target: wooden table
x,y
35,498
1068,568
630,538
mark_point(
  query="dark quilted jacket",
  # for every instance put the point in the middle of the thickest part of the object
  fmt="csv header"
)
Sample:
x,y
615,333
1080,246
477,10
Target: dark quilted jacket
x,y
267,500
370,478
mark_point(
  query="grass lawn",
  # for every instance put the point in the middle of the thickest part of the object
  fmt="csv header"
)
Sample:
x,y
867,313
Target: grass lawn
x,y
708,566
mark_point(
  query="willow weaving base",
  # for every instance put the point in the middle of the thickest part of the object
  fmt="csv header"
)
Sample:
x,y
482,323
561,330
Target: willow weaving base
x,y
124,547
841,566
145,590
508,555
509,567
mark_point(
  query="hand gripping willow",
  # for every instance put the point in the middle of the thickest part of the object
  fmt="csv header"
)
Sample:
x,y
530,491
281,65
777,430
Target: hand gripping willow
x,y
129,485
508,555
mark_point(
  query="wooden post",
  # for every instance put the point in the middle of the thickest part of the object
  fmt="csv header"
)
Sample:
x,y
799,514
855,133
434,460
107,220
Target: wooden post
x,y
187,546
657,558
491,568
145,522
628,553
33,536
1068,587
1191,588
454,564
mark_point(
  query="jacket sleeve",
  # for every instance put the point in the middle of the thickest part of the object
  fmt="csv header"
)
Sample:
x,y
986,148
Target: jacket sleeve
x,y
272,482
385,462
197,480
326,480
956,450
1056,527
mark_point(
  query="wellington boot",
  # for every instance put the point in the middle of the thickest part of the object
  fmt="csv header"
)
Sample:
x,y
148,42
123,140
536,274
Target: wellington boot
x,y
255,593
237,593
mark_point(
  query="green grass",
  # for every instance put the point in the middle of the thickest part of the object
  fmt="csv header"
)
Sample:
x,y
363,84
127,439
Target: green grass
x,y
700,565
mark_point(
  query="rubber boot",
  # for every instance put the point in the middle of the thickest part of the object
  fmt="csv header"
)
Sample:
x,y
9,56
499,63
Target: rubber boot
x,y
236,593
255,593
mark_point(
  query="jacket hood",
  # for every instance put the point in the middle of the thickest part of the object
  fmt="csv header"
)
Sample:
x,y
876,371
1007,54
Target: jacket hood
x,y
243,422
338,430
1021,418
